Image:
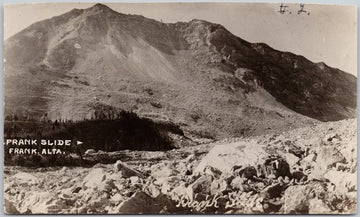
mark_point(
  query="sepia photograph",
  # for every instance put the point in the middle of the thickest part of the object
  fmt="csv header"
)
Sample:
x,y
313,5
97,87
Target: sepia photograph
x,y
180,108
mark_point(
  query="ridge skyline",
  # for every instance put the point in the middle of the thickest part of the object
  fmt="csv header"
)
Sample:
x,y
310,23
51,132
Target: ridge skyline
x,y
340,53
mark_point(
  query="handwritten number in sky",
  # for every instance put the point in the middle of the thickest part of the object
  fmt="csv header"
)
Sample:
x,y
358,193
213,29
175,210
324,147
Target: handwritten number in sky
x,y
284,9
302,10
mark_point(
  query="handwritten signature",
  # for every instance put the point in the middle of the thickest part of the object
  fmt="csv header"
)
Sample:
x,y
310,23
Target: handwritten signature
x,y
199,205
185,201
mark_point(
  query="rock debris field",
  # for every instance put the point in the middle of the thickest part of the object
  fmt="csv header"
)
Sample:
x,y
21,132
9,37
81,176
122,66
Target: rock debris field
x,y
310,170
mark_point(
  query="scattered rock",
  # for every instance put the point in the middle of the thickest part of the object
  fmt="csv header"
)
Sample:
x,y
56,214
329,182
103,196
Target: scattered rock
x,y
26,178
218,186
117,198
246,173
167,184
9,208
333,137
142,203
156,104
68,199
189,159
76,190
299,176
209,170
274,167
251,176
297,198
97,202
290,158
152,190
274,190
341,167
237,182
90,151
293,149
42,203
163,170
202,185
317,206
272,206
95,178
134,179
327,157
344,182
308,161
77,45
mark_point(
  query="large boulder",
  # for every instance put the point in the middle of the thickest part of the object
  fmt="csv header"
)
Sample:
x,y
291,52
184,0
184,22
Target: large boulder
x,y
10,208
89,152
274,167
151,189
42,203
332,138
126,171
290,147
95,178
167,184
327,157
224,157
248,172
163,170
211,171
274,190
218,186
318,206
297,198
202,185
237,183
290,158
344,182
349,150
309,161
181,191
142,203
25,179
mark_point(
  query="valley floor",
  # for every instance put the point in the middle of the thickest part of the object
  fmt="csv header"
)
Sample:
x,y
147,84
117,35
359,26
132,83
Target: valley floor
x,y
306,170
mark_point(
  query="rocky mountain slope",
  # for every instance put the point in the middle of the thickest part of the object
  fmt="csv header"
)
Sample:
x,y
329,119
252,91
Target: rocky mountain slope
x,y
310,170
195,74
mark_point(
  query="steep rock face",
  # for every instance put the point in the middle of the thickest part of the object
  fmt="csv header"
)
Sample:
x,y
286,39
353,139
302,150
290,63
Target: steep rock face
x,y
312,89
195,74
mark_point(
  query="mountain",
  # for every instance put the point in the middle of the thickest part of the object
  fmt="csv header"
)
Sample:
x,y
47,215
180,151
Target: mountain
x,y
195,74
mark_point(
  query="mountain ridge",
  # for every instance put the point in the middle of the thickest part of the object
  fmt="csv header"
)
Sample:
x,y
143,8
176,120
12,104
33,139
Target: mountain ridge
x,y
196,74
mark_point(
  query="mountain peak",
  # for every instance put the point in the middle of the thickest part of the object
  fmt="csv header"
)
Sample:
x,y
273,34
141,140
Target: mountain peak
x,y
100,7
129,51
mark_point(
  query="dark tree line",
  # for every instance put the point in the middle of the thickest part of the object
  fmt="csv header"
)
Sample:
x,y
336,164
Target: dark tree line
x,y
108,130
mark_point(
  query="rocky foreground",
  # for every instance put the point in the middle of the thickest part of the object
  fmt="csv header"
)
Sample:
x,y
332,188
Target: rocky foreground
x,y
307,170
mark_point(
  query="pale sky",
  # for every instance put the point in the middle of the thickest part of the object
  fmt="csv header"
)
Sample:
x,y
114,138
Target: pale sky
x,y
328,33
